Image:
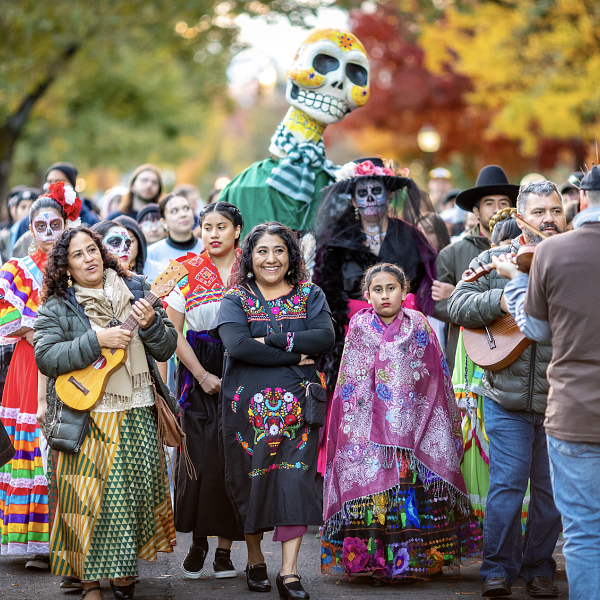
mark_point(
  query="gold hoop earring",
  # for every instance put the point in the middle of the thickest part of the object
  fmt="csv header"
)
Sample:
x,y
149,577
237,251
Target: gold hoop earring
x,y
32,247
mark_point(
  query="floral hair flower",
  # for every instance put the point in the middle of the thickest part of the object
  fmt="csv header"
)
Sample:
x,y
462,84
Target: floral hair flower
x,y
65,195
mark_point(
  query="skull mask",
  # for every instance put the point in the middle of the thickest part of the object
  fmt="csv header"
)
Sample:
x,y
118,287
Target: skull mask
x,y
329,76
47,226
370,196
117,240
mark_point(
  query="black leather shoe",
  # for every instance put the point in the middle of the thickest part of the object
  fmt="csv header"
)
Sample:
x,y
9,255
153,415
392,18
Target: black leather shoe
x,y
122,592
542,587
496,587
257,578
292,590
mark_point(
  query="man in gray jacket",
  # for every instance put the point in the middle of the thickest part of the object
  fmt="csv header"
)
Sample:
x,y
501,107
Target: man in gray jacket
x,y
515,402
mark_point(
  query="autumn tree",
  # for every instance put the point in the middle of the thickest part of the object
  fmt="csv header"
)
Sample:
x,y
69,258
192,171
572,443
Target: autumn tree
x,y
534,64
112,81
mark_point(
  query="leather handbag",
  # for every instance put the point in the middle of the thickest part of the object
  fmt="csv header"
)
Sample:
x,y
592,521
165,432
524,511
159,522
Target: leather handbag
x,y
170,433
66,428
316,397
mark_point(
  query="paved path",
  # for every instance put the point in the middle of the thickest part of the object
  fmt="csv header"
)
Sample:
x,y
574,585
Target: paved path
x,y
164,580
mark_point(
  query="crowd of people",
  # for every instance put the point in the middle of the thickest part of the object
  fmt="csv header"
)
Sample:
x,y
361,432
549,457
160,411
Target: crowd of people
x,y
286,359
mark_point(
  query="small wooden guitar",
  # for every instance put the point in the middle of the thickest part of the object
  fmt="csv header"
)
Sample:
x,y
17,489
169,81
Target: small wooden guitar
x,y
500,343
83,388
496,345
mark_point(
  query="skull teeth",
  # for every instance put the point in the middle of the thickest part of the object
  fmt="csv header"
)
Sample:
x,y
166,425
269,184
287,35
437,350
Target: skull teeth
x,y
327,104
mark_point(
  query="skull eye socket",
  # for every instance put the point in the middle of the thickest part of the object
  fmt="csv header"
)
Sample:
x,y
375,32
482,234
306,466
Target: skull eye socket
x,y
356,74
323,63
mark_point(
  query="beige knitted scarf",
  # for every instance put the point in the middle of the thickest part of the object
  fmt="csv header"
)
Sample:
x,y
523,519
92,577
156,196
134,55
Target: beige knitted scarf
x,y
113,302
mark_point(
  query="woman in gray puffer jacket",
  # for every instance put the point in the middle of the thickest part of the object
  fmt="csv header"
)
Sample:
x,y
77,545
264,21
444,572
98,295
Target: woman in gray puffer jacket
x,y
107,477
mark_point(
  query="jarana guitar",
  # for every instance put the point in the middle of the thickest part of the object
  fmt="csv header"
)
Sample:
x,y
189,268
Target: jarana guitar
x,y
83,388
500,343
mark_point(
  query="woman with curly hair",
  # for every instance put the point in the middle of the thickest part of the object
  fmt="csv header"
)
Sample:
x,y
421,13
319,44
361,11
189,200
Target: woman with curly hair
x,y
270,449
23,485
110,502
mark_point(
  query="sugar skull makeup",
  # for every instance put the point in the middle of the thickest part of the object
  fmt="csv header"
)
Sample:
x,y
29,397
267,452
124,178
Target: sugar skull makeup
x,y
117,240
47,226
371,196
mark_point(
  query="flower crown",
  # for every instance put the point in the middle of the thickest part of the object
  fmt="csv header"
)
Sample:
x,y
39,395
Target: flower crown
x,y
65,195
365,168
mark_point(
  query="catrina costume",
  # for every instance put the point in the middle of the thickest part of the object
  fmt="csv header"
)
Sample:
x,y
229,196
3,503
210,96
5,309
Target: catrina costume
x,y
395,502
345,249
201,503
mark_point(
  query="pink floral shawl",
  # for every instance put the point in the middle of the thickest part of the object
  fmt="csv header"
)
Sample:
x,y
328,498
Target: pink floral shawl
x,y
393,393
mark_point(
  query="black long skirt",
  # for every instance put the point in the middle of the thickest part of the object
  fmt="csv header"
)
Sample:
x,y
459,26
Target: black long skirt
x,y
202,505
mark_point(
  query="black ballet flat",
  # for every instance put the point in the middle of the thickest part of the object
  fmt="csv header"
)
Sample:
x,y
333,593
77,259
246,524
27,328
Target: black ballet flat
x,y
257,578
122,592
292,590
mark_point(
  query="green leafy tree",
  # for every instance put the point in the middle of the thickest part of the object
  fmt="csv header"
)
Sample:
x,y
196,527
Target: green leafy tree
x,y
112,82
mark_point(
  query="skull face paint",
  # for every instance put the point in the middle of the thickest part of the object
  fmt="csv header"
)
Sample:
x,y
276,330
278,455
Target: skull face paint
x,y
117,240
47,226
370,196
329,76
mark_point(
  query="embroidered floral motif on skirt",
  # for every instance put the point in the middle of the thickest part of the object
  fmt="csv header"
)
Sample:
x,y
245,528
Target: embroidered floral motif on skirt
x,y
406,532
110,502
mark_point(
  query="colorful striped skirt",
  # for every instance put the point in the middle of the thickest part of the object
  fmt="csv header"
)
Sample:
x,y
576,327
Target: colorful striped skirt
x,y
110,502
23,485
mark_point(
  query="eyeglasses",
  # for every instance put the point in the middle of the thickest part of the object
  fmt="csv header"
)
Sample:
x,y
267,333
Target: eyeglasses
x,y
149,225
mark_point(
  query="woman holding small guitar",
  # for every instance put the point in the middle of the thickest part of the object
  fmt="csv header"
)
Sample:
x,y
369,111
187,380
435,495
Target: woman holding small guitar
x,y
111,504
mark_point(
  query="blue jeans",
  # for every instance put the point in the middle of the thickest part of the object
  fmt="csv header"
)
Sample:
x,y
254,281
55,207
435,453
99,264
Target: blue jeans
x,y
518,453
574,469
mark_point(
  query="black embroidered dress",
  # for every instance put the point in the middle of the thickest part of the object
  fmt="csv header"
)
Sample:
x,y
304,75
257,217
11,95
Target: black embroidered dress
x,y
270,452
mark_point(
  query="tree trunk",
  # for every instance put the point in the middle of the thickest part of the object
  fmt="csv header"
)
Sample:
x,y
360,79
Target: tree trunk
x,y
12,128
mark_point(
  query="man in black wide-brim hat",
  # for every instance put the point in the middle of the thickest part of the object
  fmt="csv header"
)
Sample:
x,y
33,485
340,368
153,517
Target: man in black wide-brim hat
x,y
491,193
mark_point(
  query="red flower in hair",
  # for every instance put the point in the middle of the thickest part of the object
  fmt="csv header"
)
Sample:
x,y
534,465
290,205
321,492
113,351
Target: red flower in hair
x,y
65,195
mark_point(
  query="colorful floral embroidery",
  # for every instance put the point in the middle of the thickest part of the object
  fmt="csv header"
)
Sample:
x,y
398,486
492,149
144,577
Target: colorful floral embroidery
x,y
354,555
273,414
278,466
290,307
303,438
236,398
401,559
243,444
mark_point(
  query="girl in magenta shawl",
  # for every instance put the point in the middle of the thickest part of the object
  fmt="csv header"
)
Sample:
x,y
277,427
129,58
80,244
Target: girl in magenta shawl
x,y
395,502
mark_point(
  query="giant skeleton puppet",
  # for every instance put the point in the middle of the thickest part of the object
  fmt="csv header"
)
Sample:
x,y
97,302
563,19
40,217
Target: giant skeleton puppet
x,y
328,79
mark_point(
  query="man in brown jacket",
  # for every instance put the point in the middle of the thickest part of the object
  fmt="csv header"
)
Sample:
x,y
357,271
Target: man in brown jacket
x,y
491,193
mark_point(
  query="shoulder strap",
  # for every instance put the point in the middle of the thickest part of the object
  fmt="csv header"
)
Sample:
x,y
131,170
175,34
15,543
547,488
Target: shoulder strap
x,y
276,327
